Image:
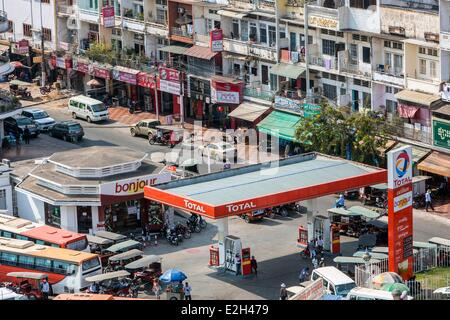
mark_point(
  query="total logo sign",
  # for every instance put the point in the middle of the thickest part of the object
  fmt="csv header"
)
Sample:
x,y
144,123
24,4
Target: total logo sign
x,y
399,167
240,207
403,201
194,206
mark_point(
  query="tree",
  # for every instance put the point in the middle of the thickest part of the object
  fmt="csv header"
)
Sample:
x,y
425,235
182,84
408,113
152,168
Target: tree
x,y
99,52
357,136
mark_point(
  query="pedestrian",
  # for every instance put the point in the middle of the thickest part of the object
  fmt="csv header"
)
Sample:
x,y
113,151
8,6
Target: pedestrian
x,y
17,137
322,263
237,262
45,289
283,292
312,249
156,288
320,245
340,203
254,265
26,135
428,203
187,291
144,232
314,263
303,276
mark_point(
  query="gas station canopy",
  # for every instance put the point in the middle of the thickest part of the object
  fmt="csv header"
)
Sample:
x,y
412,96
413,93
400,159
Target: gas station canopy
x,y
259,186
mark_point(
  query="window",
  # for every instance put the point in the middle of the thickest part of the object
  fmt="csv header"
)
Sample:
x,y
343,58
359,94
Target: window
x,y
91,263
329,91
160,15
423,66
27,30
93,27
47,34
364,38
10,26
26,261
366,55
343,92
272,36
19,237
253,32
387,44
433,73
43,264
93,4
282,31
397,45
340,34
341,78
387,58
62,267
432,52
263,33
332,32
388,89
353,54
355,37
53,214
391,106
161,2
237,69
3,199
254,71
78,245
9,258
356,82
244,30
328,47
7,234
264,74
45,1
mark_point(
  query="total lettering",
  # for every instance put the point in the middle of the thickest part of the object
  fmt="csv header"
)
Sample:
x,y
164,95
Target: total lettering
x,y
401,182
134,187
194,206
241,206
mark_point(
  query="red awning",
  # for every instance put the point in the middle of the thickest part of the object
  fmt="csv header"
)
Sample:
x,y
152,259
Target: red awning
x,y
200,52
406,111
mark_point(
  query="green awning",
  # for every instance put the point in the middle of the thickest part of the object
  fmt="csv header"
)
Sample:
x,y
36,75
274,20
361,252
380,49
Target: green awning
x,y
370,214
342,212
174,49
380,186
280,124
418,153
287,70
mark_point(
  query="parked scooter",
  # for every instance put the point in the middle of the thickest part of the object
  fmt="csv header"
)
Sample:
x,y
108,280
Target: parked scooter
x,y
196,223
164,140
183,230
46,89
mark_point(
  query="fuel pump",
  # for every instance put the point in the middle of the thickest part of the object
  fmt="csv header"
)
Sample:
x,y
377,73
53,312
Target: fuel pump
x,y
233,246
322,228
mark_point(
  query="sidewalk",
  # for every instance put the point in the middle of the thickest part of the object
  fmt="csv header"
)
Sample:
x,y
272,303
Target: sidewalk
x,y
441,209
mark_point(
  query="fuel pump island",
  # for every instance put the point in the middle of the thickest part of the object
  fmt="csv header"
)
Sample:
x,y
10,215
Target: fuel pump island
x,y
236,191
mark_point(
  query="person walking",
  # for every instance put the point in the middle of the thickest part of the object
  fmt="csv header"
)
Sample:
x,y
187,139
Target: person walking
x,y
237,262
322,263
428,203
26,135
156,289
320,245
312,249
283,292
187,291
254,265
45,289
144,233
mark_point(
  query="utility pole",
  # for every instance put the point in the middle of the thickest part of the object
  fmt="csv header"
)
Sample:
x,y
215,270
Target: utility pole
x,y
305,14
43,73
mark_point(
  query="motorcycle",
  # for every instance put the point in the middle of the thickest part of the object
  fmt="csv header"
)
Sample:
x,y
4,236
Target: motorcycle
x,y
183,230
195,223
418,202
381,202
172,237
164,140
45,89
282,211
269,213
305,253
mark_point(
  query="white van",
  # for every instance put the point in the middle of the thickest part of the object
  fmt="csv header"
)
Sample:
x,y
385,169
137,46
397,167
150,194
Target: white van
x,y
370,294
335,282
87,108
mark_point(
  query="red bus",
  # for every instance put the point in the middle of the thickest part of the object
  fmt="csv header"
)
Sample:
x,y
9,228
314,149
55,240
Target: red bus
x,y
22,229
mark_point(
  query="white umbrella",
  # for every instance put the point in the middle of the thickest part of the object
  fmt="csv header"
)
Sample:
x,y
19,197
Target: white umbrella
x,y
443,290
94,83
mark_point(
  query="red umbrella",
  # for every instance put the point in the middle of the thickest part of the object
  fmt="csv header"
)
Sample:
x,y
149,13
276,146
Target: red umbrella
x,y
17,64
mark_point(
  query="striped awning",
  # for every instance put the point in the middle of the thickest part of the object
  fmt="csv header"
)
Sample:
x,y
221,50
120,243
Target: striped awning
x,y
200,52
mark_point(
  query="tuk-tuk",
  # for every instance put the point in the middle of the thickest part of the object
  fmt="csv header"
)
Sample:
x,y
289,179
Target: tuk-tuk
x,y
145,269
349,222
443,249
114,237
115,283
365,213
254,215
29,283
347,264
169,135
98,246
370,194
118,261
125,246
375,255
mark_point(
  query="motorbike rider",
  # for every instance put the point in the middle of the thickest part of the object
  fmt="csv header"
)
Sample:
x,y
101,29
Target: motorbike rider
x,y
159,135
303,276
94,288
340,203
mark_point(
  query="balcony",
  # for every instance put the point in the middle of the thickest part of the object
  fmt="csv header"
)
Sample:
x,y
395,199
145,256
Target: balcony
x,y
133,24
368,20
181,34
89,15
157,27
355,68
415,132
248,48
295,3
444,40
324,64
65,10
258,93
390,75
291,56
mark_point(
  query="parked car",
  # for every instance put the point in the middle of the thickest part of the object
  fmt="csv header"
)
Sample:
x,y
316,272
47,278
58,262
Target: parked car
x,y
40,118
17,124
219,151
146,128
67,130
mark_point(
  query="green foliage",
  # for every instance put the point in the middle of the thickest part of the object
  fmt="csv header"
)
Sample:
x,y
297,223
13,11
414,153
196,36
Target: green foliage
x,y
99,52
333,129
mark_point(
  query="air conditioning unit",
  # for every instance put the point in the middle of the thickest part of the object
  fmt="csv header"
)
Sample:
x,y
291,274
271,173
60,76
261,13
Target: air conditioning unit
x,y
181,10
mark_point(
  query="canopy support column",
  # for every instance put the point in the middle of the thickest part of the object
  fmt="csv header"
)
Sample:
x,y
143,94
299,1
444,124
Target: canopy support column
x,y
312,210
222,232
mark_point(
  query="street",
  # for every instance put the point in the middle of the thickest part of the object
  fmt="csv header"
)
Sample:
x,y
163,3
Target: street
x,y
272,241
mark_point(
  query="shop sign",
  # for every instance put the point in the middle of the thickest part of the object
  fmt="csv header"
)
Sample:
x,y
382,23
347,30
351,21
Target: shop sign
x,y
146,80
169,80
194,206
400,229
216,40
124,76
101,72
222,92
321,22
132,186
399,167
441,133
241,206
64,45
60,62
81,66
23,46
108,17
37,59
304,109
